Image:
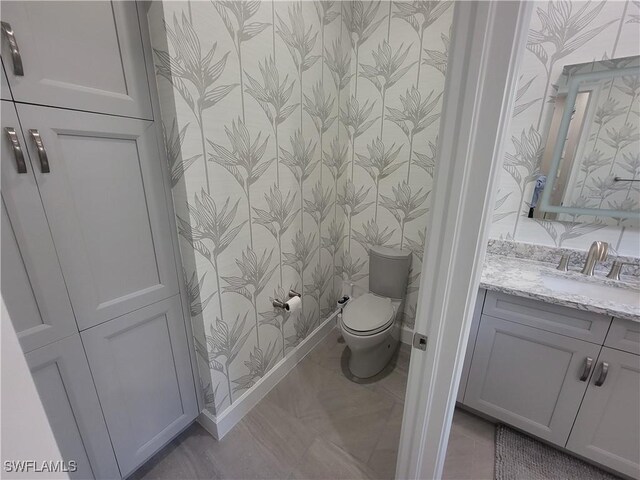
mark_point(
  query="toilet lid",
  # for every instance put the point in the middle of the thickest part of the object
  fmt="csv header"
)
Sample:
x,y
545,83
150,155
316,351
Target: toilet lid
x,y
367,312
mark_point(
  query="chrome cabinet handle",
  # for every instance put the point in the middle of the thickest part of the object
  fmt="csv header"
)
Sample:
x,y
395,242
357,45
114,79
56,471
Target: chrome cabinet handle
x,y
588,362
13,47
42,153
604,370
17,149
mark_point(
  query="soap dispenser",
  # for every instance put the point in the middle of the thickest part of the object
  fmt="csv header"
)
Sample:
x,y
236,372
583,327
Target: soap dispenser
x,y
537,193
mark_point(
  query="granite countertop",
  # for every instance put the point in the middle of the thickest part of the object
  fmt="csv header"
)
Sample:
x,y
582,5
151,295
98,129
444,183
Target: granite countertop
x,y
525,278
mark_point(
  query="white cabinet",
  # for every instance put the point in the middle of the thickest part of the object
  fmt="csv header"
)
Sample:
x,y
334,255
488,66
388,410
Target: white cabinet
x,y
566,376
624,335
607,429
105,201
83,55
64,383
529,378
5,92
87,236
32,284
471,342
571,322
140,364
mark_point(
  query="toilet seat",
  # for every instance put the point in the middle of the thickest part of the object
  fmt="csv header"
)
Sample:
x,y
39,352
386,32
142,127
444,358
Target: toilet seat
x,y
368,314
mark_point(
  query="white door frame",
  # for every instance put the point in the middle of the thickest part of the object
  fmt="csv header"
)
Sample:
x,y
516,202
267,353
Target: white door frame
x,y
488,40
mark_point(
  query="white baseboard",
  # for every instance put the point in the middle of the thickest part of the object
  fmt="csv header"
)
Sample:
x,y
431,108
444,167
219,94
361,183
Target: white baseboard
x,y
220,425
406,335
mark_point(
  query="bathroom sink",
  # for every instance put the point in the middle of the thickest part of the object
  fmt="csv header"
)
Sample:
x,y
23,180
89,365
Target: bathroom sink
x,y
619,294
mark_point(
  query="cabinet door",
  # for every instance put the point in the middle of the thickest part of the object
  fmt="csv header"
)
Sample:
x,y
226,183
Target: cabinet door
x,y
146,347
528,378
6,94
105,202
62,377
32,284
624,335
83,55
607,427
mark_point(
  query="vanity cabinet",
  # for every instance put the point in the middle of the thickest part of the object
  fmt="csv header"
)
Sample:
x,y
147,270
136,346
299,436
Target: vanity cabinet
x,y
529,378
569,322
607,428
566,376
473,334
624,335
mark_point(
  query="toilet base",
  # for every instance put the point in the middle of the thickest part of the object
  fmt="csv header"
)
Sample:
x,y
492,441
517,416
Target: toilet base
x,y
367,362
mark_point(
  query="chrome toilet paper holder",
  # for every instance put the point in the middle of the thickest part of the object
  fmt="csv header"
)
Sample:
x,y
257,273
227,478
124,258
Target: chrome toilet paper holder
x,y
280,304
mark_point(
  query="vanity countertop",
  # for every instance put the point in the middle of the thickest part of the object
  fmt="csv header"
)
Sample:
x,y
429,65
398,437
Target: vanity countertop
x,y
531,279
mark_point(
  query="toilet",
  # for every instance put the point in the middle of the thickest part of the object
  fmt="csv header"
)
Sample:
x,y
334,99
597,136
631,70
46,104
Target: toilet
x,y
370,323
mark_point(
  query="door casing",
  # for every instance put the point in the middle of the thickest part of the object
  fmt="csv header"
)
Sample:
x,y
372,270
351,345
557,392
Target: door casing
x,y
487,43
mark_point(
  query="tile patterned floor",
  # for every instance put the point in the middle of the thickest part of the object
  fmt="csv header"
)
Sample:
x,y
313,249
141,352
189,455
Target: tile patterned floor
x,y
318,423
471,449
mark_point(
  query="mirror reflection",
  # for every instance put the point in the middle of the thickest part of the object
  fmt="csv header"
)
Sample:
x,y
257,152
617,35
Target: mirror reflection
x,y
591,162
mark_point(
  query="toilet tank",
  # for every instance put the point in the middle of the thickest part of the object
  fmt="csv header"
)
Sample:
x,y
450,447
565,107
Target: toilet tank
x,y
388,271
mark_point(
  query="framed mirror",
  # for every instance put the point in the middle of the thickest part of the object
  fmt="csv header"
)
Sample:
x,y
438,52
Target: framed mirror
x,y
591,161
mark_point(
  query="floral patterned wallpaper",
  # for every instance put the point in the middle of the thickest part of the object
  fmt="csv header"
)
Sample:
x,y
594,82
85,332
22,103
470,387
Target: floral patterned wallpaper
x,y
392,123
299,134
610,148
250,108
562,33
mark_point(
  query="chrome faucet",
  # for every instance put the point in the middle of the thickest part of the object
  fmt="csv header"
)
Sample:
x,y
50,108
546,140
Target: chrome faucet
x,y
597,253
614,274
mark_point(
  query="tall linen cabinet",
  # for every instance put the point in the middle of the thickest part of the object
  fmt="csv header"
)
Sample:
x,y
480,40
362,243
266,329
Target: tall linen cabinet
x,y
90,270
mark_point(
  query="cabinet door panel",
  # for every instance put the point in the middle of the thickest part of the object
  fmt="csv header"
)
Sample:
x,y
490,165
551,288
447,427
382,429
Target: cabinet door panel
x,y
64,383
16,286
6,93
104,198
63,68
624,335
32,284
473,334
607,426
571,322
528,377
146,347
